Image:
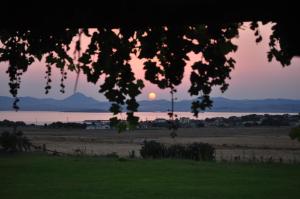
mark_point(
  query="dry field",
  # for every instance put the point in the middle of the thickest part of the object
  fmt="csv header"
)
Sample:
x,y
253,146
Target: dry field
x,y
242,144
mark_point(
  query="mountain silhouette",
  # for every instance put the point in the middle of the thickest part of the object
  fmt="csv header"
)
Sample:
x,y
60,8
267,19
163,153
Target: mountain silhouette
x,y
78,102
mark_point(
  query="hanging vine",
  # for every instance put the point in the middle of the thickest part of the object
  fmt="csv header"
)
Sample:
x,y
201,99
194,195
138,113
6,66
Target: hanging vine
x,y
164,50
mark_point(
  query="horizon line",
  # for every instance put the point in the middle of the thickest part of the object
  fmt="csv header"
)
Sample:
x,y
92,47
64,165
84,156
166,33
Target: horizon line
x,y
212,97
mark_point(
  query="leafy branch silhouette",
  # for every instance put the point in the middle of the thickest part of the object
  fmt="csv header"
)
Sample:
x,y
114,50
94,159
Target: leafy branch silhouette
x,y
163,49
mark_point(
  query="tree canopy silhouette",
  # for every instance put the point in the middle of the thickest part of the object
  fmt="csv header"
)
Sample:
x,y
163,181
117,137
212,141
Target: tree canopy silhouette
x,y
163,47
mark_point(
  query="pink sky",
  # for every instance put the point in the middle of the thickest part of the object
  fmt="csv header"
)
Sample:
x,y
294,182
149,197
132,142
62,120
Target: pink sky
x,y
253,78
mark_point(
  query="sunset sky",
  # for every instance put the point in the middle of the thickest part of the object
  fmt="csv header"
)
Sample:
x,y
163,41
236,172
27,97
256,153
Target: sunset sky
x,y
253,78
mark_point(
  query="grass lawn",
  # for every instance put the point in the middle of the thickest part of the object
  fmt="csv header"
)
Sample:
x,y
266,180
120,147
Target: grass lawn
x,y
42,177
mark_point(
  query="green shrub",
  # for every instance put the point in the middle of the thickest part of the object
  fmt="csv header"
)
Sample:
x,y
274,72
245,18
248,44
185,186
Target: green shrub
x,y
132,154
176,151
200,151
73,125
8,123
194,151
295,133
14,142
152,149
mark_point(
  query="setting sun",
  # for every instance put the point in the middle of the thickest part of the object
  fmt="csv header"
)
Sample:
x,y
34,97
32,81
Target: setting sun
x,y
152,96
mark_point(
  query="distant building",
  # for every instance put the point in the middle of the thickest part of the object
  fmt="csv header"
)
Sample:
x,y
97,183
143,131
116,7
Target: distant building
x,y
196,123
159,120
184,120
144,125
216,121
97,124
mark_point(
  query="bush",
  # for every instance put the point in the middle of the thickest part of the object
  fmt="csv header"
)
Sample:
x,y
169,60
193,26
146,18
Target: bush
x,y
200,151
57,125
295,133
14,142
176,151
194,151
152,149
7,123
132,154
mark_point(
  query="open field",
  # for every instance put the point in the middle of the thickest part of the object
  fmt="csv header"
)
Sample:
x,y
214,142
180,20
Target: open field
x,y
242,143
40,176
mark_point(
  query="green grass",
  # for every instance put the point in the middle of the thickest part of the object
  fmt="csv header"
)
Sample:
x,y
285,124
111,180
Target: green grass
x,y
42,177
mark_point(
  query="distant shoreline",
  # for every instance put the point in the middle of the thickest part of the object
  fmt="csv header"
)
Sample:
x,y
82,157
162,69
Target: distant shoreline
x,y
42,117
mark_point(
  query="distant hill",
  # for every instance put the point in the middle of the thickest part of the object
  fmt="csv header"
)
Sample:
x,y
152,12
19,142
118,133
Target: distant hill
x,y
81,103
75,103
221,104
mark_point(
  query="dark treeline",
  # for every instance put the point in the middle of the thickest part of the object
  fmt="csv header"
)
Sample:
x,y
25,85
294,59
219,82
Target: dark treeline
x,y
233,121
7,123
65,125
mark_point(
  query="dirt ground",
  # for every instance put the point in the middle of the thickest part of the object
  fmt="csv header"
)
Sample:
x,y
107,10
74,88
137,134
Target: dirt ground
x,y
242,144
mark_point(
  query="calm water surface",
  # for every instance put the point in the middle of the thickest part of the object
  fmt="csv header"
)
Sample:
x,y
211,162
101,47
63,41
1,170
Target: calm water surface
x,y
41,117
